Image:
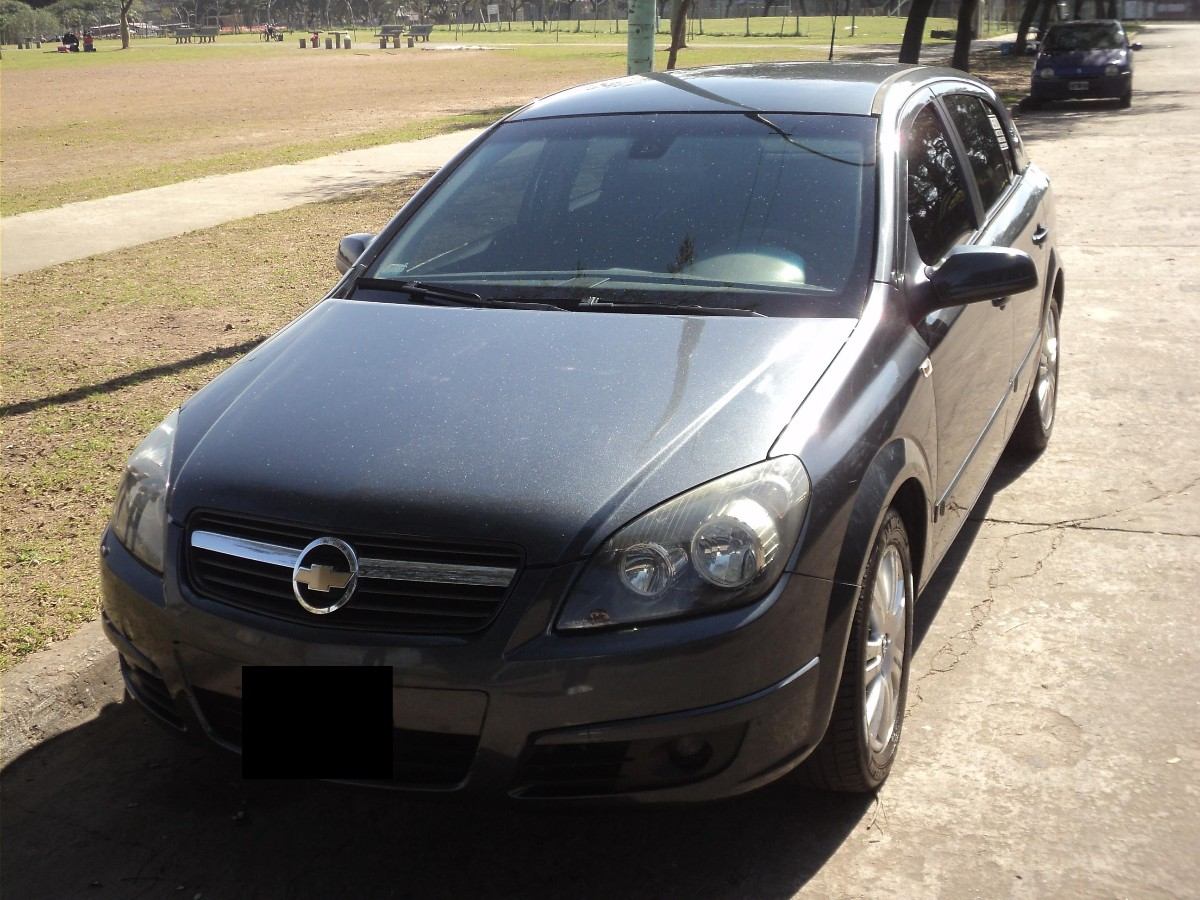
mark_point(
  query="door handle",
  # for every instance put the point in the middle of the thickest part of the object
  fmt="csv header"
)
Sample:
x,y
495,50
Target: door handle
x,y
1039,236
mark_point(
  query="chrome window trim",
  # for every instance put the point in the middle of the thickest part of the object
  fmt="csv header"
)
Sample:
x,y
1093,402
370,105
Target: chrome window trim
x,y
387,569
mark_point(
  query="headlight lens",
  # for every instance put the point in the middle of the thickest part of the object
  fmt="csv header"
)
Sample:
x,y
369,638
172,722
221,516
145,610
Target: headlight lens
x,y
1047,72
139,518
1112,70
720,545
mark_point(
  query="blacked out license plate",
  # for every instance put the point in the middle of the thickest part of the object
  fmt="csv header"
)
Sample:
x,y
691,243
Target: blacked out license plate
x,y
1077,85
317,722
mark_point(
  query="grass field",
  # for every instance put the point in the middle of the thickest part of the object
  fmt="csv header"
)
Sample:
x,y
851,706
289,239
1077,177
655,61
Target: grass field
x,y
80,126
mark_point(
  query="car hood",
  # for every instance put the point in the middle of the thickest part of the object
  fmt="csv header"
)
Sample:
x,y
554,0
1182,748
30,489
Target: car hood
x,y
1082,58
540,429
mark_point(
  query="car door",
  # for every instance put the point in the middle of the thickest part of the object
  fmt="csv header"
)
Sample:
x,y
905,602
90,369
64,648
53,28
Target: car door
x,y
1015,214
970,346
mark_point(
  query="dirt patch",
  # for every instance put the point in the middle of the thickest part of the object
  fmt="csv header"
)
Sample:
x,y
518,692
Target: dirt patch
x,y
102,349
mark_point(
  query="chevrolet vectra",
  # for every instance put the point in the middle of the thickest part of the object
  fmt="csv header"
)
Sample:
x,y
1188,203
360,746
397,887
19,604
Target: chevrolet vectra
x,y
616,462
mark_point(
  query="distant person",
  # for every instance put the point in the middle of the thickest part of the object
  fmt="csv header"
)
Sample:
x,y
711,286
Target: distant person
x,y
89,42
71,41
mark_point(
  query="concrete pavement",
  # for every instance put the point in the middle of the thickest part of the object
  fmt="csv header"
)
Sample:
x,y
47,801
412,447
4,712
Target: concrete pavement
x,y
47,237
1052,744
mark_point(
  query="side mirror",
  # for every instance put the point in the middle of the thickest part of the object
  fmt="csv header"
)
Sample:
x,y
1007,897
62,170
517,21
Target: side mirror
x,y
1135,46
350,248
971,274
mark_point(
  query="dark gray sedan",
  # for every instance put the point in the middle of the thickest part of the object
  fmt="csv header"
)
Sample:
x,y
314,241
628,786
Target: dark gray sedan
x,y
613,467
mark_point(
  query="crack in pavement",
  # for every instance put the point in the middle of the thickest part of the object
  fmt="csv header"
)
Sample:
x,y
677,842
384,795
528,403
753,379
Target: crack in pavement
x,y
960,645
1083,523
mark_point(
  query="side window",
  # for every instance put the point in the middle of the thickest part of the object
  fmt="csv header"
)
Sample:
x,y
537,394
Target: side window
x,y
939,207
986,143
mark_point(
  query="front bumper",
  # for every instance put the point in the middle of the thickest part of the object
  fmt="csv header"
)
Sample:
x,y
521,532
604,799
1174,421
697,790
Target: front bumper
x,y
1085,87
521,711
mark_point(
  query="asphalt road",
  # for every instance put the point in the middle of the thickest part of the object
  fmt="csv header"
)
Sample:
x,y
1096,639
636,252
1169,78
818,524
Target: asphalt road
x,y
1051,745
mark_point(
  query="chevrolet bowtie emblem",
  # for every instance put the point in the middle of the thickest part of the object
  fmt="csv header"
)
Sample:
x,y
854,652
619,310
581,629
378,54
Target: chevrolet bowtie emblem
x,y
327,564
322,578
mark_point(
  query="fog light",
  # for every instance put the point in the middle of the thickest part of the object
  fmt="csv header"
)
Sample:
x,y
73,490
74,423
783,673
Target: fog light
x,y
690,752
1046,73
1112,70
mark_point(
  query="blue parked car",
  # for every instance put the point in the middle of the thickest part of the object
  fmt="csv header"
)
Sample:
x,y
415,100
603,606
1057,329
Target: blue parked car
x,y
1080,60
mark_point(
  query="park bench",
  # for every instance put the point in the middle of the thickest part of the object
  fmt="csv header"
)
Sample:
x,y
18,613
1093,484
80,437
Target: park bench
x,y
420,32
183,35
389,31
207,35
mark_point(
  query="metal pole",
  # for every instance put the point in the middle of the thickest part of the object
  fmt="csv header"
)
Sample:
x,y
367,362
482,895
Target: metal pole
x,y
639,55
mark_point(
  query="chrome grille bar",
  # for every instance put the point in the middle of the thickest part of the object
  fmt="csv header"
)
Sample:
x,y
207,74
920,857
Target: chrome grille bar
x,y
385,569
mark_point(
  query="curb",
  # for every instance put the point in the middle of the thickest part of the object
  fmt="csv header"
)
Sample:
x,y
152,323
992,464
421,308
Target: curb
x,y
57,689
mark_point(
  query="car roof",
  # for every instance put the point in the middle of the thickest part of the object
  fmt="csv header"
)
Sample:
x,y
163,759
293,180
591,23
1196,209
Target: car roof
x,y
1083,23
854,88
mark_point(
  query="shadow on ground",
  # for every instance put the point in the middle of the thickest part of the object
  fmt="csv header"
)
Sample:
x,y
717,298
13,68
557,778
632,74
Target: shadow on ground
x,y
120,808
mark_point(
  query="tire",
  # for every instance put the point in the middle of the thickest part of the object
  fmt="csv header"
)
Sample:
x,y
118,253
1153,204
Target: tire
x,y
1036,425
1126,100
856,753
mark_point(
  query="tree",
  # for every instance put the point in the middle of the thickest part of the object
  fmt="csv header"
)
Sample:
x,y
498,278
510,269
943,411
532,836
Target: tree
x,y
963,34
1028,11
914,31
126,5
679,14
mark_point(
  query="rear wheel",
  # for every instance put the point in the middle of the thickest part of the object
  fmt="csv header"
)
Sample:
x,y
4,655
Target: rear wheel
x,y
1036,424
859,746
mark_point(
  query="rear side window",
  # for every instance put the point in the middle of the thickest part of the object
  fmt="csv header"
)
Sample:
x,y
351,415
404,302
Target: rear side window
x,y
986,143
939,207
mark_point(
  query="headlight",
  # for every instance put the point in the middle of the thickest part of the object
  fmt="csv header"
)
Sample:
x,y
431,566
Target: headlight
x,y
720,545
1047,72
139,518
1112,70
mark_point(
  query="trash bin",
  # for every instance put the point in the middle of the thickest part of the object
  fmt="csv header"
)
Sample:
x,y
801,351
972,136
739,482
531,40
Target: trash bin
x,y
303,43
383,43
410,42
346,43
328,43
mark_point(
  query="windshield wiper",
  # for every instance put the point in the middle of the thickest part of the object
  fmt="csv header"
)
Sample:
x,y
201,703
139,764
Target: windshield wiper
x,y
441,295
592,304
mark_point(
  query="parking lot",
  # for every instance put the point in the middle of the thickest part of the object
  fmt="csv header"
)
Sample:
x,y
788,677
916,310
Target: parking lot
x,y
1052,743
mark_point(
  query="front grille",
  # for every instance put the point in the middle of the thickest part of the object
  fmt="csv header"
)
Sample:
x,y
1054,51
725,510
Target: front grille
x,y
396,600
419,758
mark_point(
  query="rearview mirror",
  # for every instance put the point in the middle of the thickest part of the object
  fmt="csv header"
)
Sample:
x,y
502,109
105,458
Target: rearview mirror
x,y
350,248
970,274
1135,46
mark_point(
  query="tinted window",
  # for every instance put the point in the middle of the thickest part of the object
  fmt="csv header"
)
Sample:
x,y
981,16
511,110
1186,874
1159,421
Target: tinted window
x,y
987,146
1090,36
732,205
939,208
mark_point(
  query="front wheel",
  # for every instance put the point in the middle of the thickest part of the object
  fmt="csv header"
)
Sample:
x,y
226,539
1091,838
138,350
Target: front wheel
x,y
1126,100
859,746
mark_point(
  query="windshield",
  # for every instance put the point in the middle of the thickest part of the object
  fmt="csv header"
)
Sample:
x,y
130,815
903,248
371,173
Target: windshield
x,y
771,212
1100,36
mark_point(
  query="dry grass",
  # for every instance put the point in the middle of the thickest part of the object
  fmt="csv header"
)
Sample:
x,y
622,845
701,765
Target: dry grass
x,y
148,319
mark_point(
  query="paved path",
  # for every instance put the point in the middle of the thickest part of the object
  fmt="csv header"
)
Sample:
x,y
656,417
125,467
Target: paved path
x,y
47,237
1051,744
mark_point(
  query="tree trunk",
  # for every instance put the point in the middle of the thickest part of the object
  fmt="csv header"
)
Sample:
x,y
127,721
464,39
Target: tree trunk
x,y
962,37
1044,19
1027,14
679,13
914,31
125,6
